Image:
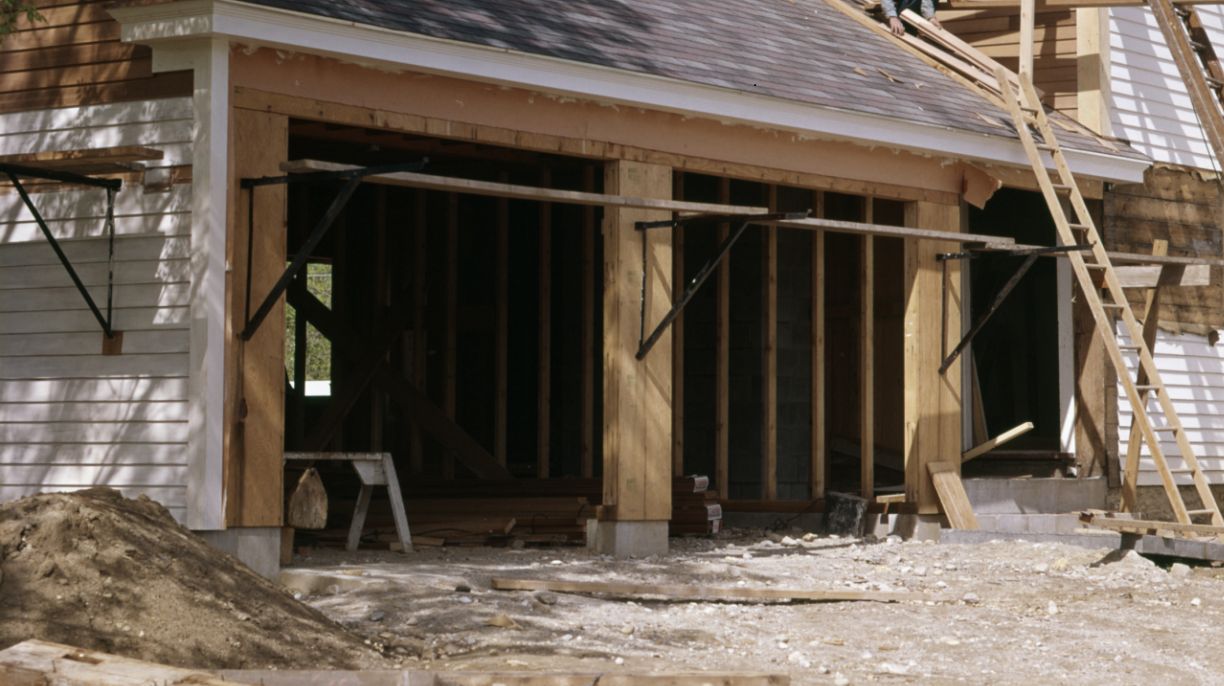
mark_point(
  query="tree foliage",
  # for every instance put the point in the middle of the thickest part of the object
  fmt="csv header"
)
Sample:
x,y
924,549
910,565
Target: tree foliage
x,y
11,12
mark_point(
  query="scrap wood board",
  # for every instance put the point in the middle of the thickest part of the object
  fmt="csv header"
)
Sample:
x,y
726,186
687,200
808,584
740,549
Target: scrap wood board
x,y
946,476
1103,520
40,663
697,591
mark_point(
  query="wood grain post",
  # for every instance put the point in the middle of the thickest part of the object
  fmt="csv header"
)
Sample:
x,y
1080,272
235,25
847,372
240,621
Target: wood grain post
x,y
590,232
932,402
678,339
637,393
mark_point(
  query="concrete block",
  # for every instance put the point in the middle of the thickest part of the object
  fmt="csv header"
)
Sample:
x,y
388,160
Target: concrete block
x,y
1035,496
627,539
256,547
907,526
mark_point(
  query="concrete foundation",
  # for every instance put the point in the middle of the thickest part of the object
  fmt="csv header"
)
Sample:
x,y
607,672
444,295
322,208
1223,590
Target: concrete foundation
x,y
627,539
1035,496
257,548
907,526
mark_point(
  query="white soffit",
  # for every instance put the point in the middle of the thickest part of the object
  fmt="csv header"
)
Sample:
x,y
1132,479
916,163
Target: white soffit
x,y
301,32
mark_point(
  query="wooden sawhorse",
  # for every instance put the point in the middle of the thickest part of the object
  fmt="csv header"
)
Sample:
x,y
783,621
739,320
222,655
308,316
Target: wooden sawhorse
x,y
374,469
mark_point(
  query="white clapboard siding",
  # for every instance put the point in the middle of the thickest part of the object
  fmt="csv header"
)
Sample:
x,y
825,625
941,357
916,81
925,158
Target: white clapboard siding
x,y
71,417
1194,373
1149,103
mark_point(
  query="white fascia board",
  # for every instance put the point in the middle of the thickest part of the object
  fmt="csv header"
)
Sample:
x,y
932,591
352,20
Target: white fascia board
x,y
300,32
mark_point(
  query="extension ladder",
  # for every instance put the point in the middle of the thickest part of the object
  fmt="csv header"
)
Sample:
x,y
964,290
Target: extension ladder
x,y
1198,65
1104,295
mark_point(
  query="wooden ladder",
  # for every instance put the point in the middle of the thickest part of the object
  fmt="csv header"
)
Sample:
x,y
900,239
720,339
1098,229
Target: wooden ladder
x,y
1103,292
1198,65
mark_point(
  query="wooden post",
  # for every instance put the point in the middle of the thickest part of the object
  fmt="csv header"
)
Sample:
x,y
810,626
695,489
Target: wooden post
x,y
867,367
722,359
299,341
932,402
769,355
1092,68
544,359
819,435
254,435
589,234
450,353
637,393
420,305
501,337
1027,18
1134,441
678,284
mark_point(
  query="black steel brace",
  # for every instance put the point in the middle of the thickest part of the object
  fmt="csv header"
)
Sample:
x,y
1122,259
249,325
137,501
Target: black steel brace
x,y
352,179
1030,256
111,186
645,343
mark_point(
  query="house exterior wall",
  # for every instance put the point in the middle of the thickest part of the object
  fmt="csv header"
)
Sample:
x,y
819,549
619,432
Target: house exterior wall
x,y
1148,102
71,417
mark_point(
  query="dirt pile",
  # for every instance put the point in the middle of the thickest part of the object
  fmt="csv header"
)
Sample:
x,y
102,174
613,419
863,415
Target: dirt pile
x,y
96,570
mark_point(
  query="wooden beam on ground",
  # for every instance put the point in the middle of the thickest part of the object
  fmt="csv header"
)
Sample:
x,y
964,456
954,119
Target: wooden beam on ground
x,y
1134,444
722,359
505,190
946,477
690,592
1005,437
590,232
817,481
678,285
450,354
501,335
867,367
544,357
1102,520
41,663
769,362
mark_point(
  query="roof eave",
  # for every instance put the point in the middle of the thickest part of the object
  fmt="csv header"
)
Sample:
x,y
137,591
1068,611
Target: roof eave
x,y
273,27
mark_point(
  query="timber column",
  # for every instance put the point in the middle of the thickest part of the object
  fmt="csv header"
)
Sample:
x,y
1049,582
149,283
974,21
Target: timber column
x,y
637,426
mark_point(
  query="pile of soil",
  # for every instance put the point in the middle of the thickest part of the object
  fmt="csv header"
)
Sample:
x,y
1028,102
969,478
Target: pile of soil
x,y
96,570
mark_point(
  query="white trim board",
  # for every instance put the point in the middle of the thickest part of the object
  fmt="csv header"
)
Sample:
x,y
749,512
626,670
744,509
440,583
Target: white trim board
x,y
271,27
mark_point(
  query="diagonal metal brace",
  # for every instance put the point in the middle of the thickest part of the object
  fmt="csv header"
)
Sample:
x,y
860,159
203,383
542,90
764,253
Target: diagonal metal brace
x,y
352,179
1030,257
111,185
645,345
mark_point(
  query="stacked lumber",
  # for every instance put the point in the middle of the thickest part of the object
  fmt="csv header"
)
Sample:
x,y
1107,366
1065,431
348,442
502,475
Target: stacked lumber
x,y
496,511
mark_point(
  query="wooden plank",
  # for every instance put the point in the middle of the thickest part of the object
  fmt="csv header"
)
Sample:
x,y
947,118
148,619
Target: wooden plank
x,y
769,362
85,161
501,340
1005,437
254,411
544,331
637,394
722,360
885,231
450,354
587,338
819,468
41,663
946,476
700,591
867,367
1146,276
1103,520
505,190
678,286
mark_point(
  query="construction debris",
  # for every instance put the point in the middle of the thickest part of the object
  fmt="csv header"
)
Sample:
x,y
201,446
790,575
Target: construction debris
x,y
697,592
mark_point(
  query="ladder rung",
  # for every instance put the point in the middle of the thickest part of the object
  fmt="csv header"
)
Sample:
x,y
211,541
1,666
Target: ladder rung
x,y
1145,387
1079,227
1183,470
1062,188
1094,265
1166,429
1112,306
1046,147
1200,512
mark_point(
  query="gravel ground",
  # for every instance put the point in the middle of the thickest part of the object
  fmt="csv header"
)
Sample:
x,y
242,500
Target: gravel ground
x,y
1001,613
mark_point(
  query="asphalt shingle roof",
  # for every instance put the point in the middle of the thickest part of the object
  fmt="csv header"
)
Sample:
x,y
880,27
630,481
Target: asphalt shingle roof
x,y
806,51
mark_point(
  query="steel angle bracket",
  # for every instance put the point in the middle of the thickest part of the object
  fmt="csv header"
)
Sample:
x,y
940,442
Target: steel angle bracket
x,y
646,343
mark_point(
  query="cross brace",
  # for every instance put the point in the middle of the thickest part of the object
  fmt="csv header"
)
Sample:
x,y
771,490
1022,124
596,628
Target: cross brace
x,y
351,178
111,186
